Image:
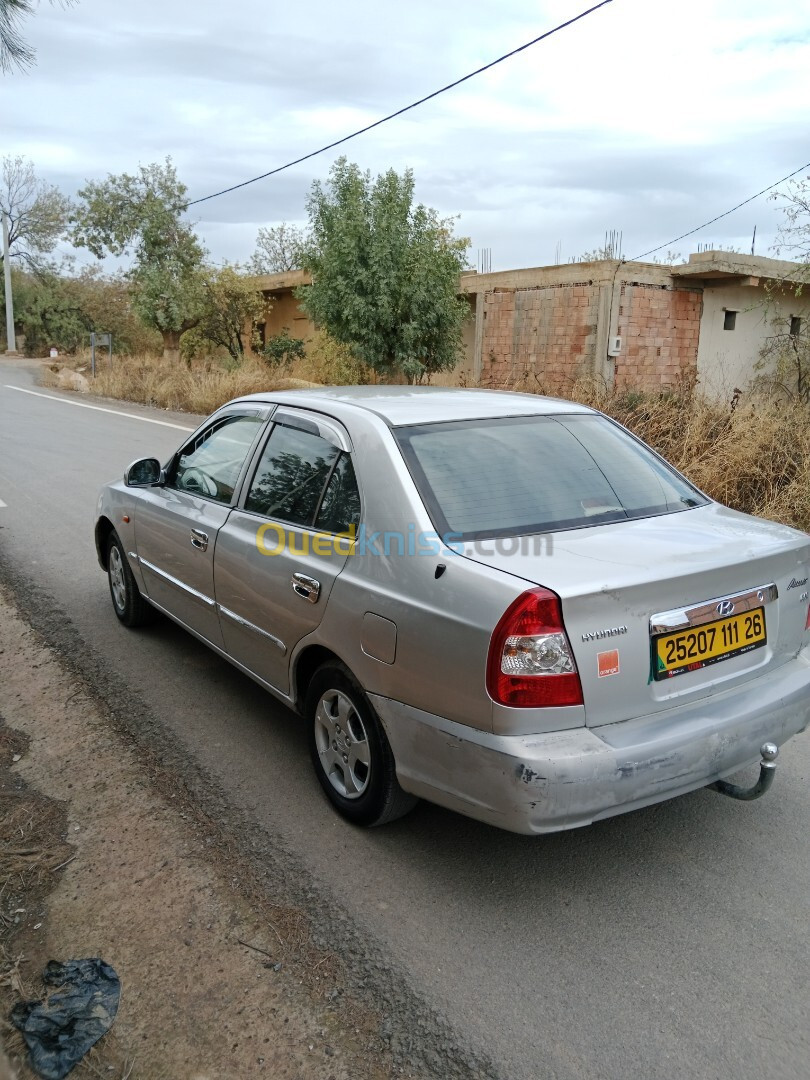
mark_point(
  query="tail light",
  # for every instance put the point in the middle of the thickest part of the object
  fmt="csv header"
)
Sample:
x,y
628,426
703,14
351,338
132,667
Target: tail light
x,y
530,662
807,620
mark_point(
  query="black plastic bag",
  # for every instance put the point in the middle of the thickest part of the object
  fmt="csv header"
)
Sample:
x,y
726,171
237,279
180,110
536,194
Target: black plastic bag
x,y
61,1029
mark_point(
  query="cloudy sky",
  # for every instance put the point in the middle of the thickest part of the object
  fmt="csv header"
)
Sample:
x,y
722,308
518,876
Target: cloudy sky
x,y
649,116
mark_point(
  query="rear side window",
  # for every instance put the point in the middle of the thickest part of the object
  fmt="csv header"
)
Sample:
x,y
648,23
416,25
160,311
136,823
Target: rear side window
x,y
305,480
340,508
291,476
507,477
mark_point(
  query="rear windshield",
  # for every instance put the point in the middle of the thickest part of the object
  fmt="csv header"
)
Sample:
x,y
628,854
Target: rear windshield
x,y
507,477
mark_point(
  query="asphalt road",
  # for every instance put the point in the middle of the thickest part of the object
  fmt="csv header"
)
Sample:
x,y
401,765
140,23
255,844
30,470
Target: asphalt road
x,y
668,942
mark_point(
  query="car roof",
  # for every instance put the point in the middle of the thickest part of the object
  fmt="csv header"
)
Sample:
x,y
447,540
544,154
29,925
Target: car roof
x,y
401,405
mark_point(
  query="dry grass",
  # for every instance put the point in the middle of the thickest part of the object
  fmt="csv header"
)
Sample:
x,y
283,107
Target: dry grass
x,y
33,852
751,453
32,849
200,389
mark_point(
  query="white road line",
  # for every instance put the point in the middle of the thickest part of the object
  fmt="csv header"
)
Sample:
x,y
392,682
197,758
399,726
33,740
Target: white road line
x,y
98,408
2,504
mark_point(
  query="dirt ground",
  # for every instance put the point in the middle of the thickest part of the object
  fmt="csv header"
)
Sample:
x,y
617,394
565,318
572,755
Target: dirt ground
x,y
98,857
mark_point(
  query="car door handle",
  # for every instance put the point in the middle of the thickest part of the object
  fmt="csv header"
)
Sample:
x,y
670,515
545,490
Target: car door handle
x,y
306,587
199,539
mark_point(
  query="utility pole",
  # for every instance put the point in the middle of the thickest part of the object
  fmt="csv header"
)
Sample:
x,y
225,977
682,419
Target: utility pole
x,y
11,340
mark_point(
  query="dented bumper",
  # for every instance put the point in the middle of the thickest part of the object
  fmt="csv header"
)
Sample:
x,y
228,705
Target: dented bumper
x,y
561,780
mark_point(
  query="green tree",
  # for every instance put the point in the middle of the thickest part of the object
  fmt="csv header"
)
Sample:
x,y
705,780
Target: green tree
x,y
142,216
106,303
278,249
37,212
385,273
15,52
52,306
231,307
47,311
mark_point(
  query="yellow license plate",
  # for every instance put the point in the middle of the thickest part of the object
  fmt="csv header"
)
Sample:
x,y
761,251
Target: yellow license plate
x,y
688,650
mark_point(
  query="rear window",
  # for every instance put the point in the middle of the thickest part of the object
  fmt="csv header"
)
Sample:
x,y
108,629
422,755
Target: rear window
x,y
507,477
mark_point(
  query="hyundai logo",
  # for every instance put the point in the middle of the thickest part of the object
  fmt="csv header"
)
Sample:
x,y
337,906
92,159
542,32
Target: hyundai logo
x,y
725,607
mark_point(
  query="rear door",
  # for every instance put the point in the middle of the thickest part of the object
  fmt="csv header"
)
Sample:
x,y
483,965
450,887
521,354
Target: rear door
x,y
282,548
177,524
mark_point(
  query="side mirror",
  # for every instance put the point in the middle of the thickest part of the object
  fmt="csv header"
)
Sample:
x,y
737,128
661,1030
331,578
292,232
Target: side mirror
x,y
146,472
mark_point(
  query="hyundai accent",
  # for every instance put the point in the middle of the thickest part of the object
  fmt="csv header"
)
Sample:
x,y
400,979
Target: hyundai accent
x,y
502,603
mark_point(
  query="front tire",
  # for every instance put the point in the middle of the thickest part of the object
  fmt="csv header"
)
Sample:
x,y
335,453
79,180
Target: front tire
x,y
350,752
128,604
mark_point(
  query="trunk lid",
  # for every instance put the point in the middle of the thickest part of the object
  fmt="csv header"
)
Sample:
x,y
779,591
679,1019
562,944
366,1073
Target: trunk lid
x,y
613,578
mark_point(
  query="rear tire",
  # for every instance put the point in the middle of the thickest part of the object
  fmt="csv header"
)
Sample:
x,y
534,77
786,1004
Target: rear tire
x,y
350,751
128,603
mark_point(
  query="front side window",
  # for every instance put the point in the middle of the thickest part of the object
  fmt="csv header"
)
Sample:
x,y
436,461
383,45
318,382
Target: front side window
x,y
519,475
211,463
304,480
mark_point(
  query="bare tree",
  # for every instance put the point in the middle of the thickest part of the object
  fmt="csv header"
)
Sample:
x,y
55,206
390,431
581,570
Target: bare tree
x,y
793,236
37,212
15,52
786,352
784,358
278,249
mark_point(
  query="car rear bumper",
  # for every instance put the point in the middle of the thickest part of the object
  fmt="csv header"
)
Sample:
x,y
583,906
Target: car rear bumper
x,y
561,780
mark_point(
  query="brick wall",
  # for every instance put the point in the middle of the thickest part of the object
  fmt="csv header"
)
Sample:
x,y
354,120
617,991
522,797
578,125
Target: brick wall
x,y
548,334
548,331
660,328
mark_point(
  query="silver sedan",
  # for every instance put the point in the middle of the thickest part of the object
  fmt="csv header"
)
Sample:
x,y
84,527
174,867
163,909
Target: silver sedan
x,y
502,603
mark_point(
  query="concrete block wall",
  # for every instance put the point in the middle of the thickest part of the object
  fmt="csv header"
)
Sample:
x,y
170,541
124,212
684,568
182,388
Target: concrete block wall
x,y
660,329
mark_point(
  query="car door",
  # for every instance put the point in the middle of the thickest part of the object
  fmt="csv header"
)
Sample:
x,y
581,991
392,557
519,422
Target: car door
x,y
281,549
177,523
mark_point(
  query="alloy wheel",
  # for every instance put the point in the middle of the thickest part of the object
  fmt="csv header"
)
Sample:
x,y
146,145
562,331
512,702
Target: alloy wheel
x,y
342,743
118,585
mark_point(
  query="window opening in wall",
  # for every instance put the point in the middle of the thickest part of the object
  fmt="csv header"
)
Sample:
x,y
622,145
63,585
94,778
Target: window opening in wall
x,y
795,325
729,320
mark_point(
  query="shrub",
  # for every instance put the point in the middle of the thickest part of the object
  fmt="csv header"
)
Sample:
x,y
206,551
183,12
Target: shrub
x,y
281,350
328,361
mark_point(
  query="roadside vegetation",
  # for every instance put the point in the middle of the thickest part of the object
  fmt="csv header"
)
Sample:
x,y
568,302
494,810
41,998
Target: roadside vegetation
x,y
751,453
385,272
204,383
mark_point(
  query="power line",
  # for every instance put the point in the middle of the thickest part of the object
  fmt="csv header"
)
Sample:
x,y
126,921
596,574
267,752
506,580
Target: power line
x,y
683,236
406,108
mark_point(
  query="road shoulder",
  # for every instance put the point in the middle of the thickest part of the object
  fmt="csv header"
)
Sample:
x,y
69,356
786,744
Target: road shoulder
x,y
215,984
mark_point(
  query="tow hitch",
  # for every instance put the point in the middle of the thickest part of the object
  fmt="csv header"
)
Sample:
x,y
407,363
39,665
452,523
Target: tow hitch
x,y
767,771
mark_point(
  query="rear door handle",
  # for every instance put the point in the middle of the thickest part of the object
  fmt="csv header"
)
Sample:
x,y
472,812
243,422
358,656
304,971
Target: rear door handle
x,y
306,587
199,539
